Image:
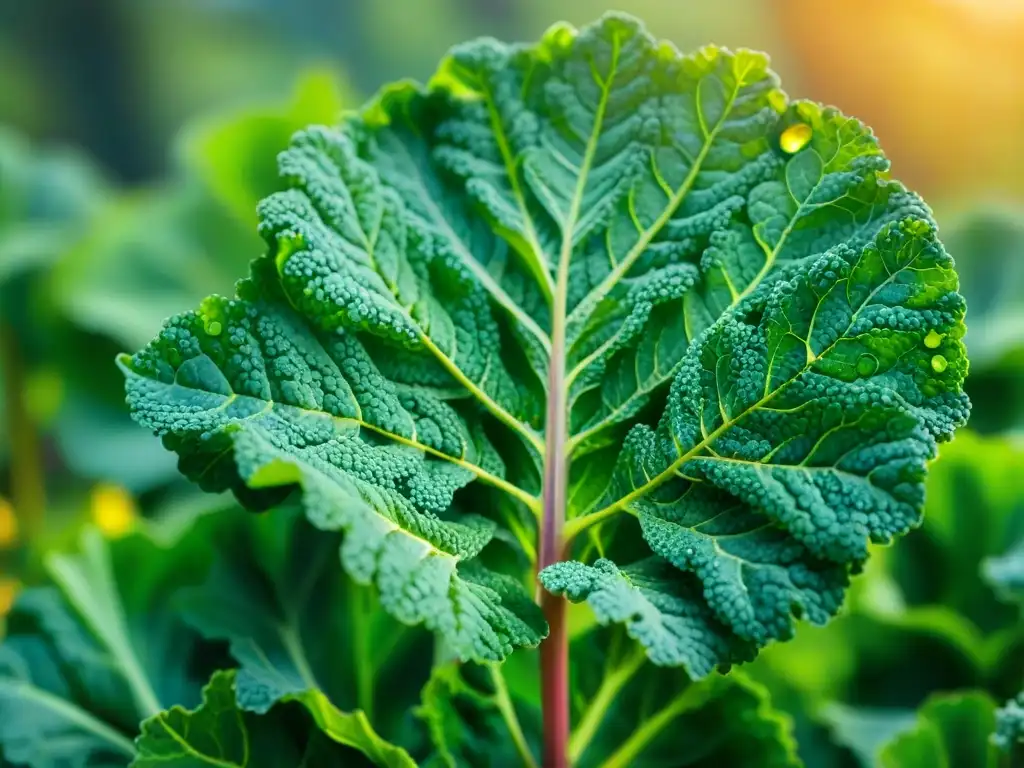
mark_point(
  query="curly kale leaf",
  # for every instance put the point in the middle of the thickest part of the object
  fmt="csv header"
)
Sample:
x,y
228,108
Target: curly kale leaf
x,y
750,330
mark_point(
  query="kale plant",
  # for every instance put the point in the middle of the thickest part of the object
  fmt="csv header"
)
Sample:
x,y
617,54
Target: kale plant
x,y
586,320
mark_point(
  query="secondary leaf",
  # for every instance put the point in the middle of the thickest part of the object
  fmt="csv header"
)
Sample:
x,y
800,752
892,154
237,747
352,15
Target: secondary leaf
x,y
87,657
219,733
471,719
299,630
952,730
973,523
631,713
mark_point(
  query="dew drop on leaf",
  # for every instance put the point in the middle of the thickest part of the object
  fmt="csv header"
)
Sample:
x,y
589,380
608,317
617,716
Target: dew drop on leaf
x,y
933,339
795,138
866,364
213,328
939,363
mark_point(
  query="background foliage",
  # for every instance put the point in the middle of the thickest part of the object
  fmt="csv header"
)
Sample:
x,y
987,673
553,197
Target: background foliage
x,y
136,139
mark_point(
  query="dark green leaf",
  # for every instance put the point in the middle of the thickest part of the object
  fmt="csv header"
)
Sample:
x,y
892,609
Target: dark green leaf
x,y
219,733
88,657
952,730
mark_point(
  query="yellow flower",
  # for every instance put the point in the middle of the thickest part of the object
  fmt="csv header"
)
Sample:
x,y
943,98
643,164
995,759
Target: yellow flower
x,y
8,591
8,524
113,509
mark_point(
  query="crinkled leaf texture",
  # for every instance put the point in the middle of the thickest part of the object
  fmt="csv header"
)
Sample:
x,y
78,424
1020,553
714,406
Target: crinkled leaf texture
x,y
759,333
218,732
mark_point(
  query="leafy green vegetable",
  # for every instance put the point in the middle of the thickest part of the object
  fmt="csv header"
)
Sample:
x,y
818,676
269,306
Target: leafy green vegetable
x,y
218,733
784,305
952,730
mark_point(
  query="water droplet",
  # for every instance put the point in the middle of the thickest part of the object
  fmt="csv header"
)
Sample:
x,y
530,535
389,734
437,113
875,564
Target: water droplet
x,y
689,550
795,138
867,364
939,363
214,328
933,339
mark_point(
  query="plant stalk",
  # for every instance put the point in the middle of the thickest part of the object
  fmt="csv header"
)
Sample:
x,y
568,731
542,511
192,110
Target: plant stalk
x,y
28,489
554,651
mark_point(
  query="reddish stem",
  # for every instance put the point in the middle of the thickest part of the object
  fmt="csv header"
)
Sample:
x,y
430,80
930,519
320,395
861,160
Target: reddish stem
x,y
554,670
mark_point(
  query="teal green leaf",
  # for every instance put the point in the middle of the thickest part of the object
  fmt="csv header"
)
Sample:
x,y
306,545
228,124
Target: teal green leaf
x,y
660,608
756,344
298,629
218,733
952,730
799,431
89,655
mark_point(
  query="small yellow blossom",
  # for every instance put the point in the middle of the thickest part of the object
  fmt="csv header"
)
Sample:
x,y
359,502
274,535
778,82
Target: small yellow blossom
x,y
113,509
8,524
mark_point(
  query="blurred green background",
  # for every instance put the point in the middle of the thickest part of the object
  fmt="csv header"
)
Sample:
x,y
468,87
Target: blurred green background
x,y
137,135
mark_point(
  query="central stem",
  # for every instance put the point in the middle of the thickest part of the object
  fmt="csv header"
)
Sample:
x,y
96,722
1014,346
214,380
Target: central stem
x,y
554,651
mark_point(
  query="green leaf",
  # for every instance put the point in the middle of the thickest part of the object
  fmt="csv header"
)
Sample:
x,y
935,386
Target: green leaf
x,y
989,245
298,629
471,719
800,430
952,730
234,153
973,526
659,607
219,733
628,712
599,229
88,656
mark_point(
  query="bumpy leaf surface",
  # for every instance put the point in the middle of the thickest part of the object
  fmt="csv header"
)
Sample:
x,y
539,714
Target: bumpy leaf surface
x,y
752,331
